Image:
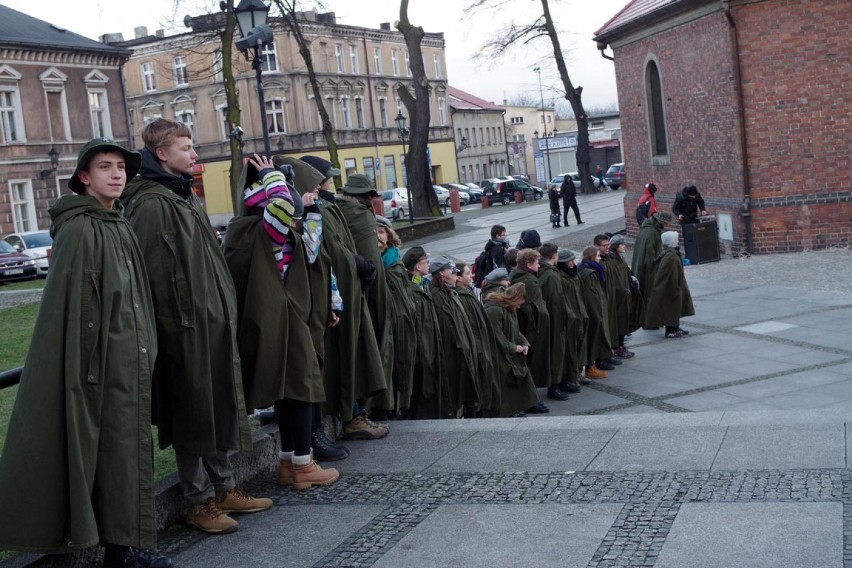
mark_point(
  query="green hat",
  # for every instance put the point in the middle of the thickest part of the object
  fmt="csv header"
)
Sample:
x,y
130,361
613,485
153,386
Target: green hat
x,y
307,177
132,161
564,255
412,256
358,184
664,217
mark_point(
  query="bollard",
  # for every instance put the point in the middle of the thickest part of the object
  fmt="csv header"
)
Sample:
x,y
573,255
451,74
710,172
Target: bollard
x,y
519,196
455,202
485,201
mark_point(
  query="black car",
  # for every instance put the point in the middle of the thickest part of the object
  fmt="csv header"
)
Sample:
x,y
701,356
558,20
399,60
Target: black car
x,y
14,265
502,190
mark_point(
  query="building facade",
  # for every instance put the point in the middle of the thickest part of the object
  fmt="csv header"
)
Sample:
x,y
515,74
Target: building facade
x,y
58,90
524,124
480,137
359,71
748,101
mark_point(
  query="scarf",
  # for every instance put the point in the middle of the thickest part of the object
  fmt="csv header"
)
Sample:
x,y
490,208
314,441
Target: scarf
x,y
597,268
390,256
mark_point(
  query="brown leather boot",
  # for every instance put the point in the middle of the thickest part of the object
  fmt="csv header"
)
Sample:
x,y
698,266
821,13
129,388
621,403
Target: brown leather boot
x,y
210,518
285,472
304,476
593,372
238,501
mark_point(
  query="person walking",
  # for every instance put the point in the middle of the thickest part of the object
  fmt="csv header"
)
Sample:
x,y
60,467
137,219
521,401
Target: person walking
x,y
569,199
670,298
555,213
196,312
77,468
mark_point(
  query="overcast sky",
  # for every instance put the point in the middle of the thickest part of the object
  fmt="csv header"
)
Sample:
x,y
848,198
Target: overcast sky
x,y
576,21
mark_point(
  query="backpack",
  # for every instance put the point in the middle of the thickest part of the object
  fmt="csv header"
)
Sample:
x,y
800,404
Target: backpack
x,y
642,211
482,265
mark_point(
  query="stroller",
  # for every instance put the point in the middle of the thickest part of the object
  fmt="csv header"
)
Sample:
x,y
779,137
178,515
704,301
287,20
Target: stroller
x,y
555,210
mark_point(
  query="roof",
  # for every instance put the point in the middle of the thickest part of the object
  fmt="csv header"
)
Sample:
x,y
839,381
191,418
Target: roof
x,y
639,11
461,100
19,29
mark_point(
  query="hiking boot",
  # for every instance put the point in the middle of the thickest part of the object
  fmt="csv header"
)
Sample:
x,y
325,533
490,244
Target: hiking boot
x,y
592,372
682,331
285,472
553,393
304,476
210,518
674,334
604,365
584,380
621,352
362,428
324,449
569,387
539,408
238,501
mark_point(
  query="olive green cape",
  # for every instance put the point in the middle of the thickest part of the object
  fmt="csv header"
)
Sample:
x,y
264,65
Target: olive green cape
x,y
534,322
555,298
429,387
645,252
457,349
278,356
578,323
485,347
621,297
77,467
597,332
401,315
670,299
197,385
517,389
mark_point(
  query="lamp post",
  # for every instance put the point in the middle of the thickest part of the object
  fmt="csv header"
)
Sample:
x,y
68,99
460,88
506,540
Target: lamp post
x,y
53,154
544,124
403,132
254,34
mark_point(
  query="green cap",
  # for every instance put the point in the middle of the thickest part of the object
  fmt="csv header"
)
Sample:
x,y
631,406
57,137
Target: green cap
x,y
358,184
132,160
564,255
664,217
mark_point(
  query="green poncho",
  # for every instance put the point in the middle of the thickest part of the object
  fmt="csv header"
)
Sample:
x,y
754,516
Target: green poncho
x,y
198,392
645,251
77,467
534,323
597,332
457,349
578,323
621,297
485,346
670,299
429,387
554,296
401,315
517,389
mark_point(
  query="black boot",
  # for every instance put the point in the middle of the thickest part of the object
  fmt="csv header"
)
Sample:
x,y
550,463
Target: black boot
x,y
147,559
118,557
554,393
324,449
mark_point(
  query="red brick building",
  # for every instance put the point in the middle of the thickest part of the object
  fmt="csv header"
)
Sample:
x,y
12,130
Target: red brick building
x,y
749,100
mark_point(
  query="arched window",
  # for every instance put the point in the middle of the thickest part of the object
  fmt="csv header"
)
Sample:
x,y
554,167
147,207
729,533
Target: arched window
x,y
656,111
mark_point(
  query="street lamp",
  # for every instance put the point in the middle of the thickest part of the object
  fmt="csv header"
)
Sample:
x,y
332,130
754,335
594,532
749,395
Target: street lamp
x,y
254,34
403,132
544,123
53,154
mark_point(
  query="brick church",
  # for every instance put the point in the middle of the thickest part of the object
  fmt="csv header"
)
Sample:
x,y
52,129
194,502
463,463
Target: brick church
x,y
750,101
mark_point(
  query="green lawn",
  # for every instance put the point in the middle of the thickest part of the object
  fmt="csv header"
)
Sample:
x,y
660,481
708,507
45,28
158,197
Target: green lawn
x,y
35,284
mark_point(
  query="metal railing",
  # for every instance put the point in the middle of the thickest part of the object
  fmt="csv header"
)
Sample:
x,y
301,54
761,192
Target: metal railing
x,y
10,378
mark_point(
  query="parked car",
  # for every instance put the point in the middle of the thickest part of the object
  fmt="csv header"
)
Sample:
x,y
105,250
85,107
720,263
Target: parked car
x,y
444,195
34,244
521,177
474,195
396,203
575,177
529,191
615,175
15,265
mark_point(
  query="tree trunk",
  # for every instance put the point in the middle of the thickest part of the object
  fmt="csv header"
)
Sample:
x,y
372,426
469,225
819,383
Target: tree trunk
x,y
288,11
233,103
574,97
417,166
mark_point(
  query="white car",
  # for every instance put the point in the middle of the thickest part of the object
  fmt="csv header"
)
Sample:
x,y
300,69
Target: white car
x,y
444,195
396,203
34,244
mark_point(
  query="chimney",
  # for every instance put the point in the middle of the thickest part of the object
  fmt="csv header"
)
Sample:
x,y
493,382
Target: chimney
x,y
160,33
140,32
112,38
385,26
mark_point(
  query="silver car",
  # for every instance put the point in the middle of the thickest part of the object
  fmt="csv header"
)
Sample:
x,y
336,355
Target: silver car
x,y
34,244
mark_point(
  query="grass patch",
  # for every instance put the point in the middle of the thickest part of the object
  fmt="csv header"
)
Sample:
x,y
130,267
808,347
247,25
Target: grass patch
x,y
34,284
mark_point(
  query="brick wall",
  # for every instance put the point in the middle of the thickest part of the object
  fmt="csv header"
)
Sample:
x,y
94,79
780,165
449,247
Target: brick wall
x,y
796,69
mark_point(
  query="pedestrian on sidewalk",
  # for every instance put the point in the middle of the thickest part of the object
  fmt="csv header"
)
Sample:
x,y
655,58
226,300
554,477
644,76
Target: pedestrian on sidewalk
x,y
517,389
555,213
670,298
77,468
196,310
569,199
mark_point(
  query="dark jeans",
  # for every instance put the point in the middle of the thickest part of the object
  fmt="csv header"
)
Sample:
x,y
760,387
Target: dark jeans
x,y
572,203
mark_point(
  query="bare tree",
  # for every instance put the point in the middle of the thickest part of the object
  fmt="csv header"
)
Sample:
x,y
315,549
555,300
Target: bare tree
x,y
290,10
528,33
233,102
417,105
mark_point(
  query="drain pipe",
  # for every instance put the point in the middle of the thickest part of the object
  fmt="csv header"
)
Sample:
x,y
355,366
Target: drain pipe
x,y
745,207
602,49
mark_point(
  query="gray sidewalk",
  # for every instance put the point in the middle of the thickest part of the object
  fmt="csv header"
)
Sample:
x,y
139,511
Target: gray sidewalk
x,y
725,448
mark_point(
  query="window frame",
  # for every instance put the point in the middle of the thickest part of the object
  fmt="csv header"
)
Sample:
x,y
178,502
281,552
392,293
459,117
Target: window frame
x,y
179,71
655,115
338,55
29,204
353,59
268,54
147,71
105,116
